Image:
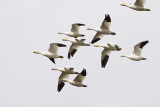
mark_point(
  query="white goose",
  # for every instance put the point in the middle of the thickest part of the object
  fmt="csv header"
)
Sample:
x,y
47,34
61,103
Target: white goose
x,y
76,43
136,56
78,80
64,75
108,48
52,51
74,31
103,30
138,5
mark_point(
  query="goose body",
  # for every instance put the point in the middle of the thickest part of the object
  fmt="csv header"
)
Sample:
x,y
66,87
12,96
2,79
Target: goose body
x,y
52,51
138,5
74,32
64,75
108,48
103,30
136,56
78,80
76,43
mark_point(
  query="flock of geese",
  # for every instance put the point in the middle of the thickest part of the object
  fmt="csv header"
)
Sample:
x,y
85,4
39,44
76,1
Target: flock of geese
x,y
77,42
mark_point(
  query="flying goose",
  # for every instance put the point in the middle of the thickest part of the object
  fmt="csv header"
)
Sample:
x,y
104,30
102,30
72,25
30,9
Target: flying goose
x,y
78,80
103,30
136,56
52,51
76,43
108,48
138,5
74,31
64,75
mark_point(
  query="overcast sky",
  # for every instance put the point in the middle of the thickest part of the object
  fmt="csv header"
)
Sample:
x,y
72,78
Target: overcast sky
x,y
26,79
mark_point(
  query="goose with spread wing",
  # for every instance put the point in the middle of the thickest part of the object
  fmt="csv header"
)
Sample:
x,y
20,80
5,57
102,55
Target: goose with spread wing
x,y
78,80
64,75
108,48
52,51
136,56
103,30
74,31
76,43
138,5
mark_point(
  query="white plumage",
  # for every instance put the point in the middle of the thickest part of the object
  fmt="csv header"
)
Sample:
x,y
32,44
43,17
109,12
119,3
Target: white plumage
x,y
78,80
108,48
52,51
76,43
138,5
74,32
103,30
136,56
64,75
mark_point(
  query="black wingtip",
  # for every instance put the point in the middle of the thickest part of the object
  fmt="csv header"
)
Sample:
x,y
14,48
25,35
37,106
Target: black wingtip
x,y
73,52
84,73
144,43
104,61
80,24
95,40
69,55
61,45
107,18
60,86
52,59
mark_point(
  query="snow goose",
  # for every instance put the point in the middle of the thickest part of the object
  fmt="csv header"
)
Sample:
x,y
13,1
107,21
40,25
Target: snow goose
x,y
103,30
74,31
136,56
52,51
138,5
78,80
76,43
64,75
108,48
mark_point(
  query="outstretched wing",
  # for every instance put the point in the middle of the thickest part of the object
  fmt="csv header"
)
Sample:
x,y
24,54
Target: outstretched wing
x,y
80,77
138,47
105,57
72,50
140,3
106,22
97,37
54,47
60,82
75,27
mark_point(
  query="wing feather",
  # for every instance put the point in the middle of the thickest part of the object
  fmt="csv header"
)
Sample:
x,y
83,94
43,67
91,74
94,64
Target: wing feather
x,y
80,77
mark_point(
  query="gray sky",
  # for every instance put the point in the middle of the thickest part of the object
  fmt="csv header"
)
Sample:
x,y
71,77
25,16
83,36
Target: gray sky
x,y
26,79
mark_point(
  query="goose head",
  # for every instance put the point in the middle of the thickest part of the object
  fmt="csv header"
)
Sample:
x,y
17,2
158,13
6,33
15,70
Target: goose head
x,y
65,39
96,45
61,33
123,4
123,55
36,52
54,69
90,28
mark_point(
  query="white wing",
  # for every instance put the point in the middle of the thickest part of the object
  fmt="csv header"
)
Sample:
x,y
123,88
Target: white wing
x,y
54,47
60,82
72,50
97,37
80,77
105,57
106,22
140,3
138,48
75,27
